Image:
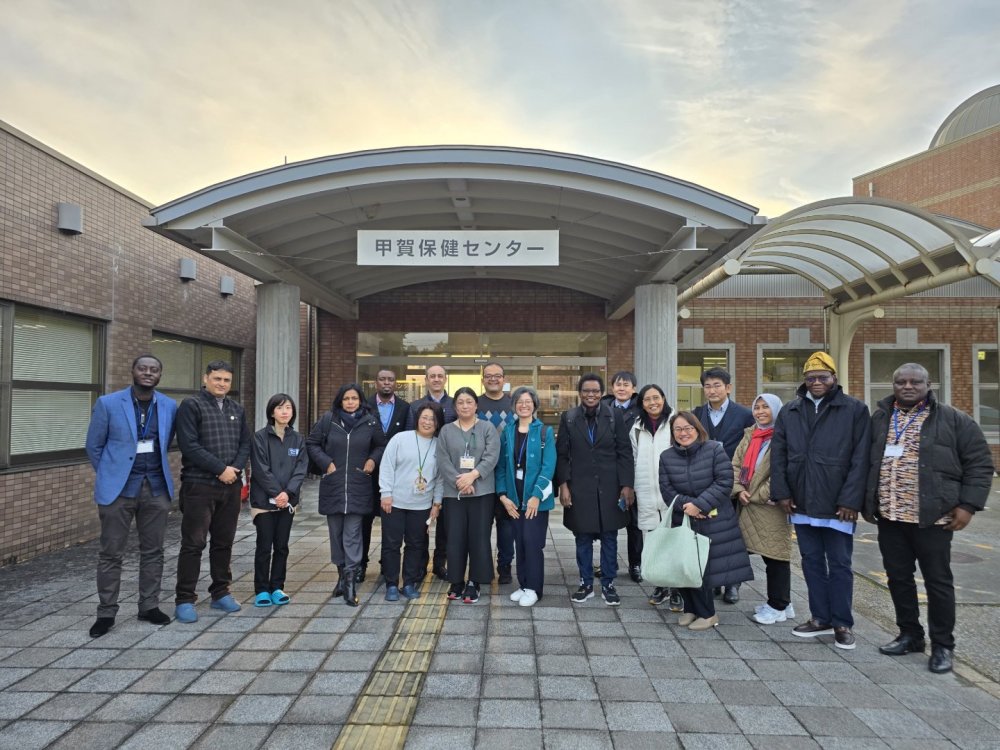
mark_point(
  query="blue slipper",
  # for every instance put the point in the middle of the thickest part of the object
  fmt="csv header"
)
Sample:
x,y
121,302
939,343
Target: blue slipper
x,y
226,604
185,613
263,599
279,597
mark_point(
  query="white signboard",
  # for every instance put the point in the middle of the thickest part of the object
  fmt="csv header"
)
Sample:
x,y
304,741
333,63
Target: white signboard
x,y
537,247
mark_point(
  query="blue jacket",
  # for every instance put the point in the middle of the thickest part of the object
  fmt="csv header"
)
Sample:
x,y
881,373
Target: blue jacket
x,y
539,465
112,439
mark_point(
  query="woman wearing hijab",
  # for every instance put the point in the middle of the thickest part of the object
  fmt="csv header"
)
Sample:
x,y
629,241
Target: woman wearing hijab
x,y
764,525
346,444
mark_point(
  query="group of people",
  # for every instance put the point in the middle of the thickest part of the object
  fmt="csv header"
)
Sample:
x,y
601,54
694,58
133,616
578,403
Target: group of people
x,y
745,477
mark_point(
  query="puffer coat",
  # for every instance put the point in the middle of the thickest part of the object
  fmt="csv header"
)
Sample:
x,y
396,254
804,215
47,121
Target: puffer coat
x,y
348,489
647,448
764,526
702,474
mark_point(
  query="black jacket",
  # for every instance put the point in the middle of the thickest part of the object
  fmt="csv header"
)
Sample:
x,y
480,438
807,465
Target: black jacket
x,y
211,438
730,429
703,474
277,466
821,460
348,489
596,472
630,413
447,404
397,423
956,466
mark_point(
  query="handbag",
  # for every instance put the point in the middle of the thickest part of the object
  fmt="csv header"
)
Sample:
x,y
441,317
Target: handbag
x,y
675,556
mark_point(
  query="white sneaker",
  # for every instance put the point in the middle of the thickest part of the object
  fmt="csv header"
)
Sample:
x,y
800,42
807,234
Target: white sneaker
x,y
528,597
789,610
768,615
516,596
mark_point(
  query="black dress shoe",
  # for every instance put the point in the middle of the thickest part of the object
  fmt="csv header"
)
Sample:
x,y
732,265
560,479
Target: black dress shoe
x,y
732,595
717,592
360,573
441,572
504,574
635,574
101,626
154,616
941,660
904,644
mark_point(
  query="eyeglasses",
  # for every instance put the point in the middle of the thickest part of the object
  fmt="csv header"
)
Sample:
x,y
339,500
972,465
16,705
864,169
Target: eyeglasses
x,y
687,428
590,391
492,377
818,378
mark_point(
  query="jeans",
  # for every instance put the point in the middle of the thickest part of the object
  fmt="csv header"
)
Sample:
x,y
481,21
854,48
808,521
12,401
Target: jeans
x,y
903,545
409,526
271,557
826,565
529,541
609,556
208,509
150,513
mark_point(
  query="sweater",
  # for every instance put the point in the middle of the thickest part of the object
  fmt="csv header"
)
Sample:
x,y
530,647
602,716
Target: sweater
x,y
484,447
399,469
211,438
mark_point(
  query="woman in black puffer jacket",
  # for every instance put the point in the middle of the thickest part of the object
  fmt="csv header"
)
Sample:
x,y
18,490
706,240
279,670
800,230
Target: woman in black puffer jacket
x,y
698,473
346,445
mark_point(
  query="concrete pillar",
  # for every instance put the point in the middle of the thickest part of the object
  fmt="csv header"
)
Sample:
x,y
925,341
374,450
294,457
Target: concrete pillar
x,y
277,347
656,338
843,326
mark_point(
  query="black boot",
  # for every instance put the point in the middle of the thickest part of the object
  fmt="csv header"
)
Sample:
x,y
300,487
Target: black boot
x,y
338,590
350,591
359,574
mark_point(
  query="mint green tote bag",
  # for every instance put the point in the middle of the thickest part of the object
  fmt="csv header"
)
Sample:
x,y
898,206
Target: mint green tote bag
x,y
675,557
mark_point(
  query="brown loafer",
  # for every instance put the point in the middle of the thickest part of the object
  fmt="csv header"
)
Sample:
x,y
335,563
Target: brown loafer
x,y
812,628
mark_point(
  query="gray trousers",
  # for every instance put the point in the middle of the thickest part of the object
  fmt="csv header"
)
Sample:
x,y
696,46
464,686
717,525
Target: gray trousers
x,y
346,547
150,515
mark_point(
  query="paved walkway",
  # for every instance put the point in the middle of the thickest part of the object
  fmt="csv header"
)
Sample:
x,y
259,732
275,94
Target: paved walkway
x,y
436,675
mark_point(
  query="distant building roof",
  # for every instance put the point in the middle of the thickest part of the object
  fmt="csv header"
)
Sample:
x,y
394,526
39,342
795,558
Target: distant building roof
x,y
978,112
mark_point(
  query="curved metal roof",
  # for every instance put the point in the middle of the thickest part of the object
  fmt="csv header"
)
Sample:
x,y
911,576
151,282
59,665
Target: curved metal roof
x,y
619,226
978,112
867,249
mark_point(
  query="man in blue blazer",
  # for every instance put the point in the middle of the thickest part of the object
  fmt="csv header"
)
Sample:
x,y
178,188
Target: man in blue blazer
x,y
127,442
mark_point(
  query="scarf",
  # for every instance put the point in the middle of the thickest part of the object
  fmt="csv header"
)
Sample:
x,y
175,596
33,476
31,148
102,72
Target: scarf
x,y
349,419
757,440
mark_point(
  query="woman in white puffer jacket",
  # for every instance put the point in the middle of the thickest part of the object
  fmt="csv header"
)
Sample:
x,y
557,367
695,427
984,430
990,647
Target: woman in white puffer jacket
x,y
650,437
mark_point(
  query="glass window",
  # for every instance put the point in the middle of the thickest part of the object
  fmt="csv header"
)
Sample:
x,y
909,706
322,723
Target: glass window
x,y
882,363
987,394
184,362
781,371
691,363
49,386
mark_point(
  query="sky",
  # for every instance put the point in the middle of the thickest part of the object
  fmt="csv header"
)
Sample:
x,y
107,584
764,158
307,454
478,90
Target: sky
x,y
774,102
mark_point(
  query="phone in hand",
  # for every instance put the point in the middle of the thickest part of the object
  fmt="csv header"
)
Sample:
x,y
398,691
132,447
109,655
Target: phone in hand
x,y
621,504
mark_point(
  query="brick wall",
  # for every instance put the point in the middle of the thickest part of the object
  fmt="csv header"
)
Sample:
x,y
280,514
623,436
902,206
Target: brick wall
x,y
117,272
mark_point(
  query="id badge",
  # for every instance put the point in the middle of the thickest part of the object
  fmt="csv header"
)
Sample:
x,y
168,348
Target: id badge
x,y
419,486
519,474
144,446
893,451
467,462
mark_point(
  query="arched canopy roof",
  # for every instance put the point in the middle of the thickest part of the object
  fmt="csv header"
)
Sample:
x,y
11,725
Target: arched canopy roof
x,y
619,226
864,250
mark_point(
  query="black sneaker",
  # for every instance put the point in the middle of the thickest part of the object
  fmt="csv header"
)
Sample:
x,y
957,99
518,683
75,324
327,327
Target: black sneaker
x,y
635,573
455,592
610,596
582,594
659,596
504,575
471,594
676,601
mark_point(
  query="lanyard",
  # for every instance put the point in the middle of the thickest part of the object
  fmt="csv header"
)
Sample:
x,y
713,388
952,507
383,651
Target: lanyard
x,y
422,461
520,453
895,422
472,440
142,420
592,431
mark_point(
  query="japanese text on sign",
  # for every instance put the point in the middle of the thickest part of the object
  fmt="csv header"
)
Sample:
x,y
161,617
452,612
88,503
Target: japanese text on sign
x,y
537,247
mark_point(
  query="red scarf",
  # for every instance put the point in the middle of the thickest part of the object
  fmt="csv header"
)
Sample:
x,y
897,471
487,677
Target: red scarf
x,y
753,453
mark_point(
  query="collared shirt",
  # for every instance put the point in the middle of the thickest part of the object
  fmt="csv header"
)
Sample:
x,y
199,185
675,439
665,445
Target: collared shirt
x,y
899,476
146,466
385,409
716,415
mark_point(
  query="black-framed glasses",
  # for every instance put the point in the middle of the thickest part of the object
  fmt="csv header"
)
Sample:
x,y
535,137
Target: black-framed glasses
x,y
685,428
590,391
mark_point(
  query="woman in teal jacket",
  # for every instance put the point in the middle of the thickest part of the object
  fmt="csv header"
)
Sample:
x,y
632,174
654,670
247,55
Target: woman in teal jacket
x,y
524,485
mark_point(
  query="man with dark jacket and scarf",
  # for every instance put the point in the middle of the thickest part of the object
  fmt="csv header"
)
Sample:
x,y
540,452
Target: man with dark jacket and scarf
x,y
819,464
931,470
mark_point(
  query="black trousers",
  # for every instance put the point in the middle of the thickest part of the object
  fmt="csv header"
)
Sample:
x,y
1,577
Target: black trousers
x,y
634,537
903,545
779,582
207,509
700,602
367,521
469,521
271,557
409,527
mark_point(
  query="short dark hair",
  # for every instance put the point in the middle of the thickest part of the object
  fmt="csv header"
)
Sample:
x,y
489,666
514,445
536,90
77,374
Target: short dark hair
x,y
692,420
520,391
590,376
716,373
146,356
494,363
388,370
466,391
434,408
338,400
274,402
628,377
218,364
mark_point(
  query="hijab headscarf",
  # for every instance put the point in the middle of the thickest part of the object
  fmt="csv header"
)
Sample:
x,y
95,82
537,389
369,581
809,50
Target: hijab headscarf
x,y
759,437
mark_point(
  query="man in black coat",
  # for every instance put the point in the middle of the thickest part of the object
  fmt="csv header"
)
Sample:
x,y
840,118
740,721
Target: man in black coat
x,y
931,470
624,398
819,465
725,421
392,413
595,473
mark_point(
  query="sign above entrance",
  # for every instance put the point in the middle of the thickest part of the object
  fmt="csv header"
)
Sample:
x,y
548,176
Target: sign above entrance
x,y
459,248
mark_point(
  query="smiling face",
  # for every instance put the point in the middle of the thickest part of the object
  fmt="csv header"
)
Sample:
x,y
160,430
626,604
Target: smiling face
x,y
426,424
218,382
493,380
146,372
525,406
590,393
465,406
436,378
351,401
762,413
623,389
684,432
652,403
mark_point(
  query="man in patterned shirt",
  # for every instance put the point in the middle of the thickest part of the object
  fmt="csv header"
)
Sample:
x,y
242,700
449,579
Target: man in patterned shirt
x,y
931,470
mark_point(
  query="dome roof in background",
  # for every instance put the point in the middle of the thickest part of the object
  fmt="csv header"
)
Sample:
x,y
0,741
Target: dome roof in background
x,y
978,112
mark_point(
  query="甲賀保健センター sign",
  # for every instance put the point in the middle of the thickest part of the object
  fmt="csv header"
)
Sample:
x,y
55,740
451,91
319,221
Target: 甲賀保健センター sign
x,y
459,248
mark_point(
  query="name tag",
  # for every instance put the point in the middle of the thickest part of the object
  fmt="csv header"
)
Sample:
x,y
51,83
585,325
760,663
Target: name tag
x,y
893,451
519,474
144,446
467,462
293,452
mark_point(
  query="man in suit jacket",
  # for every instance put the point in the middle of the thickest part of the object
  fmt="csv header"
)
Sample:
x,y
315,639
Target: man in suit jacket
x,y
127,442
393,413
725,421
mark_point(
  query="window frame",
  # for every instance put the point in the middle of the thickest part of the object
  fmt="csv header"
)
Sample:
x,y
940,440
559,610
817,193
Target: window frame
x,y
729,349
942,389
179,394
992,436
763,387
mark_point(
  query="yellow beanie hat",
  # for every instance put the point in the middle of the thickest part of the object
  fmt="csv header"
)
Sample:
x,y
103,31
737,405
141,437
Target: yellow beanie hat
x,y
819,361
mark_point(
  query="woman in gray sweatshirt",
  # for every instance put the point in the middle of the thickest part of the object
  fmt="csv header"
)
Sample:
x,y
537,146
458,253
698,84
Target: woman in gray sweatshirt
x,y
410,489
467,453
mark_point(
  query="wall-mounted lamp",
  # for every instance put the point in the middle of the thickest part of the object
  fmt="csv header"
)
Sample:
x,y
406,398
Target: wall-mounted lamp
x,y
227,286
683,313
188,270
878,313
70,218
